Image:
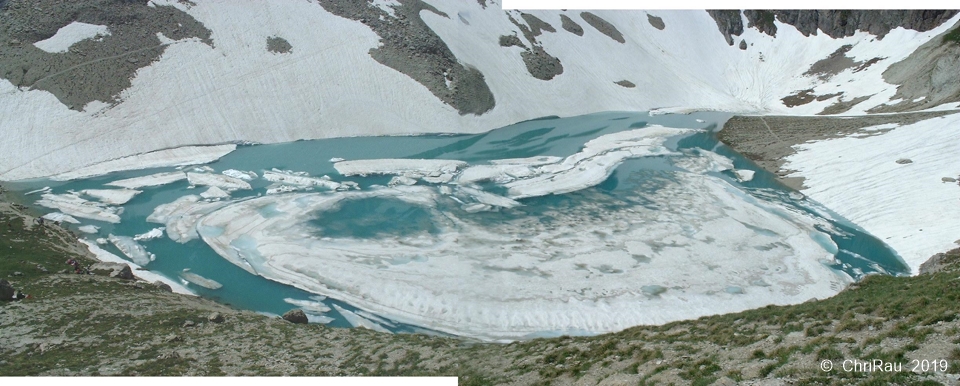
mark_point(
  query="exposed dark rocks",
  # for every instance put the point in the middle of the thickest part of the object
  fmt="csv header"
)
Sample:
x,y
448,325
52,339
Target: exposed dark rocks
x,y
834,23
537,26
948,179
603,26
163,286
92,69
216,317
930,76
295,316
409,46
841,106
625,83
6,290
904,161
729,23
571,26
539,63
743,44
511,41
656,22
115,270
802,97
939,261
836,62
278,45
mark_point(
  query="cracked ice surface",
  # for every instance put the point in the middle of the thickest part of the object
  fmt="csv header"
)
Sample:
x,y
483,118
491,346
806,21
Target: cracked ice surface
x,y
585,270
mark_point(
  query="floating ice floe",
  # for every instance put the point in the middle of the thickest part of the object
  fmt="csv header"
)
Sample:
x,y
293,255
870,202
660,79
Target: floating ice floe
x,y
308,305
45,189
744,175
214,192
299,179
150,180
132,249
200,280
112,196
154,233
221,181
402,180
403,167
138,271
336,159
594,163
246,176
489,198
706,161
60,217
359,321
69,35
181,216
91,229
73,205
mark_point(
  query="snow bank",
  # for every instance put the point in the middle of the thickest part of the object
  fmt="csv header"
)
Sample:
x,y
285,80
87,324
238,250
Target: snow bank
x,y
187,155
905,205
69,35
57,216
138,271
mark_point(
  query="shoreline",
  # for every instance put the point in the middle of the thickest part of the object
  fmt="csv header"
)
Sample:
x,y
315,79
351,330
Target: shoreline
x,y
769,140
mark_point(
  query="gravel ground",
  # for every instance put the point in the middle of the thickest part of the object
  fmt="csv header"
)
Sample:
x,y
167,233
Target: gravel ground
x,y
768,140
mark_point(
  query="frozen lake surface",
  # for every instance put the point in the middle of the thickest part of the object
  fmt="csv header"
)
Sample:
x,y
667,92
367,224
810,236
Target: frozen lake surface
x,y
578,225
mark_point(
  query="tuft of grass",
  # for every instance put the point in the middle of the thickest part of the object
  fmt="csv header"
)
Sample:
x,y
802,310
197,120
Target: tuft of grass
x,y
952,36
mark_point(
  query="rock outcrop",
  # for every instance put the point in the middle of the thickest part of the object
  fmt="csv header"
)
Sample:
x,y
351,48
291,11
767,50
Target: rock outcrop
x,y
6,290
834,23
295,316
115,270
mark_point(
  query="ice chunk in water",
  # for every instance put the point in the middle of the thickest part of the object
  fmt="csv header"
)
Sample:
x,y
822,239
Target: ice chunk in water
x,y
132,249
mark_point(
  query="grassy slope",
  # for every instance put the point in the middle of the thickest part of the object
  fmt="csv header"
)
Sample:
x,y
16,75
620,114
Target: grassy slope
x,y
77,324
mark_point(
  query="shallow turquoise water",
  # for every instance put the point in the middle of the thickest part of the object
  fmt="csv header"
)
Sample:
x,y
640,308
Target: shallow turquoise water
x,y
858,254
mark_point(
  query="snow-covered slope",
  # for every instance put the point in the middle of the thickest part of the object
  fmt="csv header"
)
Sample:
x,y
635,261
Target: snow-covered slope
x,y
327,84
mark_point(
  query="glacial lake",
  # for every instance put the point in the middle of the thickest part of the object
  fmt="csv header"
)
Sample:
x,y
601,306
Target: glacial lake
x,y
680,228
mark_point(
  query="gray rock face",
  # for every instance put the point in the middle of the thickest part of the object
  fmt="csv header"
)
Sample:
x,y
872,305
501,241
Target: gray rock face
x,y
115,270
743,44
729,23
834,23
571,26
6,290
105,66
539,63
603,26
930,76
278,45
295,316
656,22
412,48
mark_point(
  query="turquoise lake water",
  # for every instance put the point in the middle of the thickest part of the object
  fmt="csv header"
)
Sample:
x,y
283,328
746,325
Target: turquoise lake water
x,y
858,253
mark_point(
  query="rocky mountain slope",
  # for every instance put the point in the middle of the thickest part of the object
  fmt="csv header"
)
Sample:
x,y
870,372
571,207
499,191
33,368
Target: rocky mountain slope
x,y
209,72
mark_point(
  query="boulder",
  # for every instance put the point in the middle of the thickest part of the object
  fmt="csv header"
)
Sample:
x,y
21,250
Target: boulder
x,y
116,270
215,317
6,290
295,316
163,286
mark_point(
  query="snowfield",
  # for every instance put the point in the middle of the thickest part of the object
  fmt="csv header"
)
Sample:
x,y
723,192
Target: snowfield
x,y
329,86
